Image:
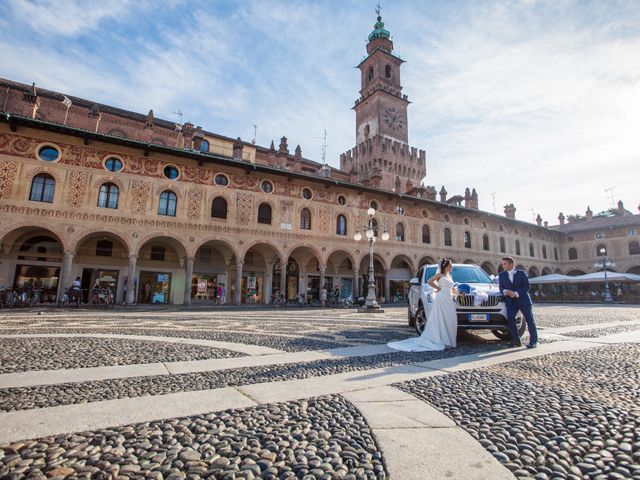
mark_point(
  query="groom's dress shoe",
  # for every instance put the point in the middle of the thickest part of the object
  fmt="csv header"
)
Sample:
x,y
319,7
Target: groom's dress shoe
x,y
515,345
532,345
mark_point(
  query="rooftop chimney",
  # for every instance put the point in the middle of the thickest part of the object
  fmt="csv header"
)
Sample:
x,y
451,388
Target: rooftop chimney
x,y
561,218
589,214
510,211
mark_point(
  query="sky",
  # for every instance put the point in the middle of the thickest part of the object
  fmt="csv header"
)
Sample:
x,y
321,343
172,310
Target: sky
x,y
535,103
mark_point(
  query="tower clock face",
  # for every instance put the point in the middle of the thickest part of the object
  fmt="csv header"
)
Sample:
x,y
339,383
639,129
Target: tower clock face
x,y
393,119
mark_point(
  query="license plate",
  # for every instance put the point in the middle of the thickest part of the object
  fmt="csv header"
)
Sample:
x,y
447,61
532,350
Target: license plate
x,y
478,317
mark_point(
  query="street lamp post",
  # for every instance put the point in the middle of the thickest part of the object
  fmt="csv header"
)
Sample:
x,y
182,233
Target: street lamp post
x,y
605,264
370,231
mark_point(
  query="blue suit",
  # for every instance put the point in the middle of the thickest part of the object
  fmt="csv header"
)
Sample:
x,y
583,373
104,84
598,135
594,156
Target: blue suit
x,y
522,303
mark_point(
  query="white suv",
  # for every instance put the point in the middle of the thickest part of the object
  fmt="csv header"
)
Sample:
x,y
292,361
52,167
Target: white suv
x,y
487,312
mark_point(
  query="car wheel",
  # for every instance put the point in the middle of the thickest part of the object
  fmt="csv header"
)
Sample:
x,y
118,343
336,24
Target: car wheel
x,y
411,318
504,334
420,320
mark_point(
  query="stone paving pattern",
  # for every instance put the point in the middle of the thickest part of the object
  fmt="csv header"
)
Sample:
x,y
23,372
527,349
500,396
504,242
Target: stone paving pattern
x,y
23,354
23,398
570,415
318,438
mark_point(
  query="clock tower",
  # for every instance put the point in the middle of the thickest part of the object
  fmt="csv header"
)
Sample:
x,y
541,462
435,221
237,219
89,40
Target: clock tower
x,y
382,156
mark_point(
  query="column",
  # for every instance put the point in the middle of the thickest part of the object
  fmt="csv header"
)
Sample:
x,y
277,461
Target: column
x,y
131,280
238,294
356,286
283,279
187,281
323,269
387,287
64,281
268,284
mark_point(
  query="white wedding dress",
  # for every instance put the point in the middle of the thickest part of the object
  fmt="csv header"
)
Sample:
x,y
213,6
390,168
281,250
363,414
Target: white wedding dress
x,y
442,325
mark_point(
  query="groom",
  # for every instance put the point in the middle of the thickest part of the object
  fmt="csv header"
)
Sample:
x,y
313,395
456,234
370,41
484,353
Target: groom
x,y
514,285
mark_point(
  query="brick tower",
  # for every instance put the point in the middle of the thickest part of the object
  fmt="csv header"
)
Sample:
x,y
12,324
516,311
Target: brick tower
x,y
382,156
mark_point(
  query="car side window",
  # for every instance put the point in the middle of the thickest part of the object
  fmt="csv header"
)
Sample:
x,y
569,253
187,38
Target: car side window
x,y
420,274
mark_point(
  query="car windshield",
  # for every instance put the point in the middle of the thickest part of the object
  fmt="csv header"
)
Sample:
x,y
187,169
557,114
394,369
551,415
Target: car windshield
x,y
462,274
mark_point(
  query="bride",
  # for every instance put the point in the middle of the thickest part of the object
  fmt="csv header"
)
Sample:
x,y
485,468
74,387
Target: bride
x,y
442,325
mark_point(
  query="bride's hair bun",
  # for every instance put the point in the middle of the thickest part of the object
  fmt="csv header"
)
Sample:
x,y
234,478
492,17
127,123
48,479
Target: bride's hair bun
x,y
444,263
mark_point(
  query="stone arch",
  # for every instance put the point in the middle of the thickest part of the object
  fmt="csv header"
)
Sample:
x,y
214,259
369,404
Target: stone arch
x,y
304,245
42,169
546,271
575,273
217,240
109,179
404,258
172,187
489,268
533,272
469,261
187,250
338,252
427,260
83,235
635,270
558,271
261,243
21,228
376,256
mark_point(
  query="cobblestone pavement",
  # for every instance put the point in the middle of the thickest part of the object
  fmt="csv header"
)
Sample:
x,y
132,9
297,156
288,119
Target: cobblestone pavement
x,y
569,415
319,438
22,354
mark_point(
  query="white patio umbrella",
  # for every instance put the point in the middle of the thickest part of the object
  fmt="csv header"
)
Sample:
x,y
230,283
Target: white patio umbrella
x,y
551,278
598,277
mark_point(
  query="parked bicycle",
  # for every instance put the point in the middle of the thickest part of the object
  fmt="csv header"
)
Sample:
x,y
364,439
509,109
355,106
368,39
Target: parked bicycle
x,y
103,296
72,296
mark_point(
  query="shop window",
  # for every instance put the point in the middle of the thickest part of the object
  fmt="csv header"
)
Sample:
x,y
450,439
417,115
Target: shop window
x,y
264,213
573,254
426,234
219,208
305,219
447,237
108,196
158,252
503,247
341,225
517,247
104,248
467,240
42,188
485,242
400,232
168,203
634,248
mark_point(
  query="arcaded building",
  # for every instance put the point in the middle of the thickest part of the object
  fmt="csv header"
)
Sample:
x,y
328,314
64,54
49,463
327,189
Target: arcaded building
x,y
164,213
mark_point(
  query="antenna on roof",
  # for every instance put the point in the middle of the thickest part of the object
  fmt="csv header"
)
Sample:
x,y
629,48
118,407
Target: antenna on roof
x,y
179,114
324,148
611,195
255,134
378,8
533,213
493,197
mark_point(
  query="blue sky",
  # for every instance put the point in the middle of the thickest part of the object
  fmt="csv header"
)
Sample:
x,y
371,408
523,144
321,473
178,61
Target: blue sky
x,y
537,101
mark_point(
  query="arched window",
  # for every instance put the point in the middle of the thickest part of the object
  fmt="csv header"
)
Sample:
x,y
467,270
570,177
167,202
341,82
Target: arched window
x,y
387,72
158,252
531,252
485,242
573,254
634,248
42,188
167,205
341,225
601,250
544,252
467,240
555,253
204,146
447,237
108,196
400,232
219,208
264,213
369,74
104,248
503,247
426,234
518,247
374,225
305,219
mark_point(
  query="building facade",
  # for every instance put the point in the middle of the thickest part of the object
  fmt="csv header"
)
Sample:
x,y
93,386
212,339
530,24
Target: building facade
x,y
164,213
